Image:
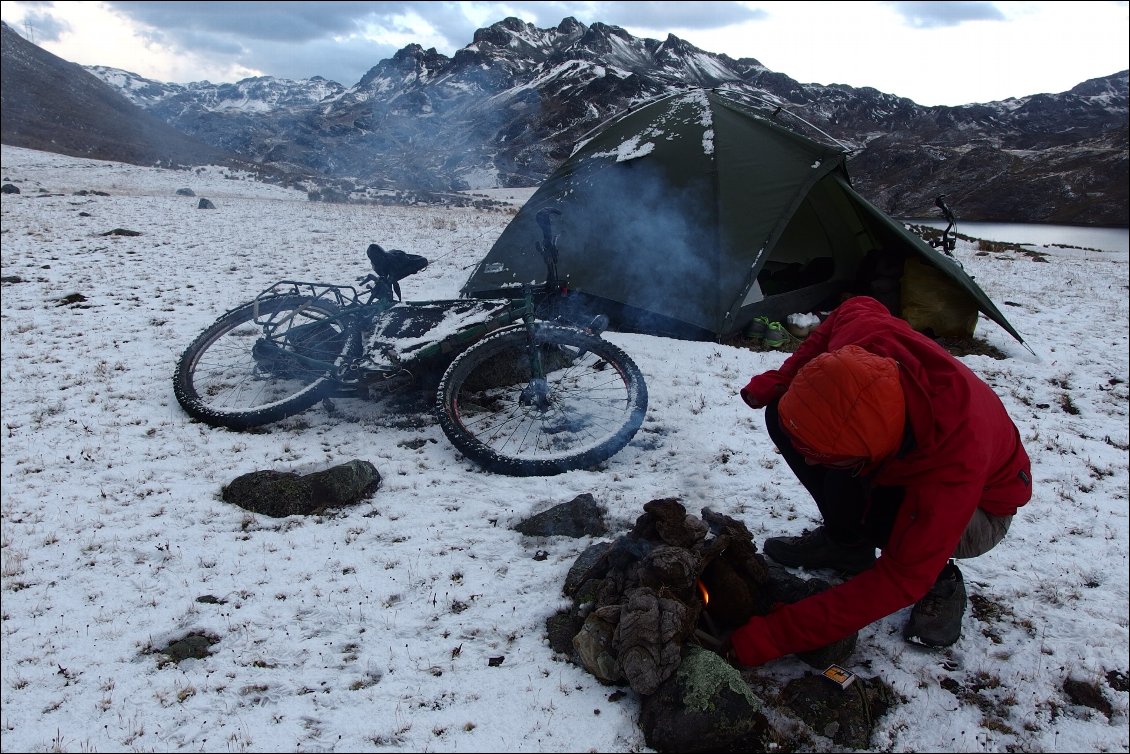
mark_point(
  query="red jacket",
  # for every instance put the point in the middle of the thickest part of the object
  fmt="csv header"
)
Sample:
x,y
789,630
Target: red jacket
x,y
967,454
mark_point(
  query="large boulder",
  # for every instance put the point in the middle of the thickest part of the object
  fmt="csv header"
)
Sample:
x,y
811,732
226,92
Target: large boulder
x,y
287,493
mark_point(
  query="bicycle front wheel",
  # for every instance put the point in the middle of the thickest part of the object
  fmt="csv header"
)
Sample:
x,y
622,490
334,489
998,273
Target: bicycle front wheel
x,y
588,407
264,361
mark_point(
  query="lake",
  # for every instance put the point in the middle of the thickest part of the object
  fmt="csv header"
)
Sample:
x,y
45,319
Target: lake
x,y
1038,234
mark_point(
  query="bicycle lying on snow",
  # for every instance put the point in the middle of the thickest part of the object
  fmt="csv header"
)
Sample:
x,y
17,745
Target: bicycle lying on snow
x,y
523,391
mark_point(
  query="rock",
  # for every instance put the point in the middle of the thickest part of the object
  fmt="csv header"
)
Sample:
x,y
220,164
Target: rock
x,y
847,716
344,484
194,646
594,644
272,493
649,637
585,564
205,204
705,706
286,493
185,192
580,517
9,188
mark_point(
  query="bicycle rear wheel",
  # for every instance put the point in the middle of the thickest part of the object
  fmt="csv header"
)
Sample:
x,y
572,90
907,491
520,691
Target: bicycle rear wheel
x,y
247,369
590,405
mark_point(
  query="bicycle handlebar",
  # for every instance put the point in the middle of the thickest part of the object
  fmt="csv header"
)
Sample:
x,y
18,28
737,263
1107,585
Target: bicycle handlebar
x,y
940,202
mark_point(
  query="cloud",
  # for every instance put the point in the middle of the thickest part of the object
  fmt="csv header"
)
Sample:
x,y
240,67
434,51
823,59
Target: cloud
x,y
932,15
274,21
344,61
44,27
295,40
664,15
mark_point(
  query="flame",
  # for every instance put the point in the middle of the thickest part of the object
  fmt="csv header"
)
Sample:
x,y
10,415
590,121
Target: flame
x,y
705,594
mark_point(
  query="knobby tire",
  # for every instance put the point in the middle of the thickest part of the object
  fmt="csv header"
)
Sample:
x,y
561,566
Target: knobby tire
x,y
596,403
222,380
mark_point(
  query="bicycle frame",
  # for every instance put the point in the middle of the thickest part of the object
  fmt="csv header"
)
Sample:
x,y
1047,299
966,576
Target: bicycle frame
x,y
364,310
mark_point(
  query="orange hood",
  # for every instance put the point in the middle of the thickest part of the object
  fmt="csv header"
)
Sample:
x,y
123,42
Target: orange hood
x,y
846,403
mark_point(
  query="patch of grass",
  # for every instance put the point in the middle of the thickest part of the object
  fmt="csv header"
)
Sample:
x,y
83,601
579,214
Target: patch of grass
x,y
1067,404
971,347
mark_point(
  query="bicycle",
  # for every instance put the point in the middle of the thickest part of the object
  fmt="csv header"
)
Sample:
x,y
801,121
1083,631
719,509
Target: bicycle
x,y
523,391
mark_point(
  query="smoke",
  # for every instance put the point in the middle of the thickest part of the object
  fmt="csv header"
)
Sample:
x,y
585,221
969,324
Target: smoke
x,y
632,235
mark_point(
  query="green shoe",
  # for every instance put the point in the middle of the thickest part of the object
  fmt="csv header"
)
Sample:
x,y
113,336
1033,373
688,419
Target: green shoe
x,y
775,335
757,328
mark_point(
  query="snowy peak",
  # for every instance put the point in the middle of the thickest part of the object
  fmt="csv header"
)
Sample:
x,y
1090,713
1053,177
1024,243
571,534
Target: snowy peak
x,y
261,94
516,36
137,89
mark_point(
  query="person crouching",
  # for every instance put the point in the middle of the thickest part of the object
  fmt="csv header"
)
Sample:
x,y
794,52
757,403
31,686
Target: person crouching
x,y
904,450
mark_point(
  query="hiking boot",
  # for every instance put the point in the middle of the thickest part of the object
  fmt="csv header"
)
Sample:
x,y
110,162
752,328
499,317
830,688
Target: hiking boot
x,y
935,620
816,549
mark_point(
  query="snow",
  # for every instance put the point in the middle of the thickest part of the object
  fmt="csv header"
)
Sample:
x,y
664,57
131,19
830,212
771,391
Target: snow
x,y
629,149
373,627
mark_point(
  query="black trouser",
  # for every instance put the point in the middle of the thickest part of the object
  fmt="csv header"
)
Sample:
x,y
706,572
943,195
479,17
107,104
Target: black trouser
x,y
858,512
854,510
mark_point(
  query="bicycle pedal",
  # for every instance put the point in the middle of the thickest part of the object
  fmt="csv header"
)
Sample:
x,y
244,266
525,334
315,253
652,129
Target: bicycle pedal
x,y
392,383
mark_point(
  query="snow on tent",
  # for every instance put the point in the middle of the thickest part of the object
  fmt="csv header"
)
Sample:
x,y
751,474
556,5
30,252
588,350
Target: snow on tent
x,y
691,215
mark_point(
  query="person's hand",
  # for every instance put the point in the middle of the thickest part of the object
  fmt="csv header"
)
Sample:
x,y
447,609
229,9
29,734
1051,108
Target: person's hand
x,y
726,650
719,645
762,390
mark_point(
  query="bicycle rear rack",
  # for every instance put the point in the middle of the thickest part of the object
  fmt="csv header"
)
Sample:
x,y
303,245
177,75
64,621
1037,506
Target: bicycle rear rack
x,y
339,295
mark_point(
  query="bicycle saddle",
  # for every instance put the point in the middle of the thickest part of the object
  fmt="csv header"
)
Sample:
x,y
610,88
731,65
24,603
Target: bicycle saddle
x,y
394,264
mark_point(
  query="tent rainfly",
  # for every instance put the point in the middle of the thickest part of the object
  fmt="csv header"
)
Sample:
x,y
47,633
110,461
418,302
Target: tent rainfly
x,y
692,214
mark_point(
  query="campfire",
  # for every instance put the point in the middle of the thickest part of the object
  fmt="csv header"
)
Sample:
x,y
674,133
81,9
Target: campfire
x,y
668,593
674,578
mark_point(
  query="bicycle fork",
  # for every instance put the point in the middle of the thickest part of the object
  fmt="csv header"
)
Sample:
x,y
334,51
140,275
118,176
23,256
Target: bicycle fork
x,y
536,392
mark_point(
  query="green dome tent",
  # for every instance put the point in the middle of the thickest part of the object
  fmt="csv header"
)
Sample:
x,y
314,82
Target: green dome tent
x,y
691,215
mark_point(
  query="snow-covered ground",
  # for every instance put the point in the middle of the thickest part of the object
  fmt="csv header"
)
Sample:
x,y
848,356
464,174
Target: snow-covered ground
x,y
371,628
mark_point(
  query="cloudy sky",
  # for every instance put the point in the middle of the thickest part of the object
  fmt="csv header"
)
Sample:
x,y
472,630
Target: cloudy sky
x,y
935,53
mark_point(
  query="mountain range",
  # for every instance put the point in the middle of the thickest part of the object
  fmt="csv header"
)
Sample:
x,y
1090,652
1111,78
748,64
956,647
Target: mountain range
x,y
509,107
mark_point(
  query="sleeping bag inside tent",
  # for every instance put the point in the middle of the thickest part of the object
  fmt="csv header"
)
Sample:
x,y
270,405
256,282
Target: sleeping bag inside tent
x,y
692,214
